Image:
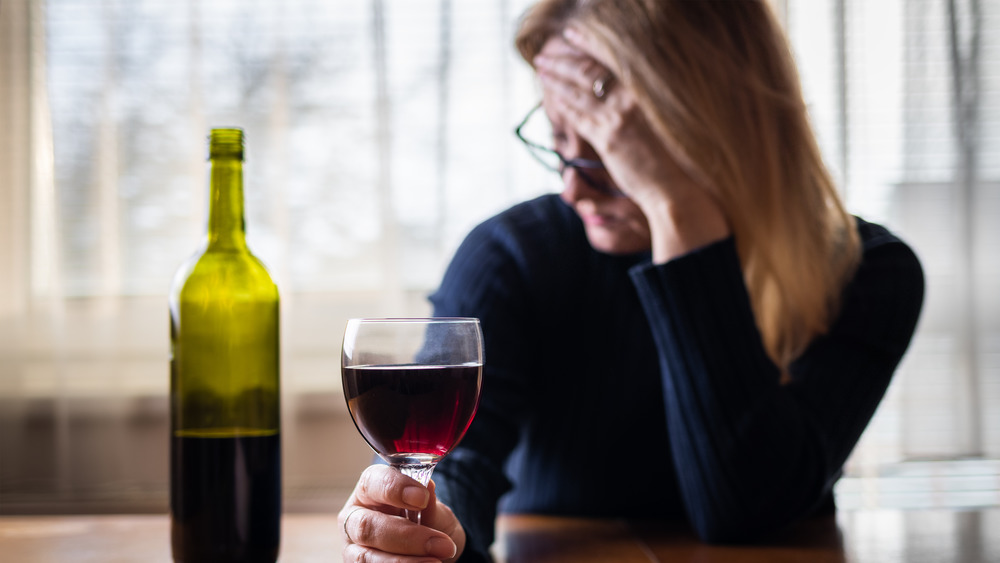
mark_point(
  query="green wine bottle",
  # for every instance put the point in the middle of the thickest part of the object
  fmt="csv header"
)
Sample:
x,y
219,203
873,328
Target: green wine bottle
x,y
225,447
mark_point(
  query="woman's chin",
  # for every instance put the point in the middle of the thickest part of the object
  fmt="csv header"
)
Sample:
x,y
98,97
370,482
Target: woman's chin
x,y
612,241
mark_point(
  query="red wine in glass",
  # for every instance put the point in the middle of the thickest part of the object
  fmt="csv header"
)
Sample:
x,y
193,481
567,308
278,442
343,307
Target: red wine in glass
x,y
412,414
412,387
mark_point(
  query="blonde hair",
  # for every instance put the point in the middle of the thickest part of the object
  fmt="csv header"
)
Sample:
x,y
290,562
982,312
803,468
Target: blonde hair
x,y
717,82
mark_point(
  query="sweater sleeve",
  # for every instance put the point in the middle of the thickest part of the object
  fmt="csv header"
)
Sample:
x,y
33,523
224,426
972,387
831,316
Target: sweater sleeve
x,y
751,454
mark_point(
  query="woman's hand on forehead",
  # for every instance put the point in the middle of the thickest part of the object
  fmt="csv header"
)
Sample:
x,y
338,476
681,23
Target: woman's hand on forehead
x,y
608,117
612,124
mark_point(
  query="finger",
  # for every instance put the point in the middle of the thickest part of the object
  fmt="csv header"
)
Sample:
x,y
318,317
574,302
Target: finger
x,y
555,87
557,46
436,514
560,59
580,73
396,535
584,42
575,111
360,553
345,517
381,485
440,517
576,105
587,43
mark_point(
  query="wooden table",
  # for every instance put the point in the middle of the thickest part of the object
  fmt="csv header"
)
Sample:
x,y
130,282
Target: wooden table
x,y
889,536
551,540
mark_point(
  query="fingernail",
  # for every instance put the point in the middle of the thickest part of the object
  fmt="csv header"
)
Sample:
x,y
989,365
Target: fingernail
x,y
416,496
440,547
571,34
541,60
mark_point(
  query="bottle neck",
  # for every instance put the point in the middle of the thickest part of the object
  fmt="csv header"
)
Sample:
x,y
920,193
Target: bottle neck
x,y
226,227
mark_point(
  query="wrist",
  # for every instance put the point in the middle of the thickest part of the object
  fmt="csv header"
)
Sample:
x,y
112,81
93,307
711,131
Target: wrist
x,y
680,225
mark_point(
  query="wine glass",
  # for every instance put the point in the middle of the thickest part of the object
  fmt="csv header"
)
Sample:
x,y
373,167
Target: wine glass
x,y
412,387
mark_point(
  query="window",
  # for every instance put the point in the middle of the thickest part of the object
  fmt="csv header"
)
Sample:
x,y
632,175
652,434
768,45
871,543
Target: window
x,y
379,132
907,109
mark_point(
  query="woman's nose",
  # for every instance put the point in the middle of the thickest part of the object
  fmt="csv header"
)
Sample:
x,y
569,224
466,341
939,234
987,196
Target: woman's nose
x,y
575,187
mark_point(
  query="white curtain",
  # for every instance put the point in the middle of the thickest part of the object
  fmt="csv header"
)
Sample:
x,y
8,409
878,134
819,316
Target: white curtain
x,y
905,96
379,132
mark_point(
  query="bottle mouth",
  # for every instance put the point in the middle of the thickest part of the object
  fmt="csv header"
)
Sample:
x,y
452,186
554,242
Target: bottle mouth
x,y
226,142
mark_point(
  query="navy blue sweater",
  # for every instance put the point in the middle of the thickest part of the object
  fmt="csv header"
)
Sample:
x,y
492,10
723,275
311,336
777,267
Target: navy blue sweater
x,y
618,388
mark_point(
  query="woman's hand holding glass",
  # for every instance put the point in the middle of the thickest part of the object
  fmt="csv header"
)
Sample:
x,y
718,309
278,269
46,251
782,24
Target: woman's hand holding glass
x,y
375,523
412,387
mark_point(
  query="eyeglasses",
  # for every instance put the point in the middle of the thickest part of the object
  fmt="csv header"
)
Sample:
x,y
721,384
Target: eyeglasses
x,y
556,162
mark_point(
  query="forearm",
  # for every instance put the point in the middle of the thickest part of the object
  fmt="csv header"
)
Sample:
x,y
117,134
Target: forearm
x,y
682,222
751,454
726,435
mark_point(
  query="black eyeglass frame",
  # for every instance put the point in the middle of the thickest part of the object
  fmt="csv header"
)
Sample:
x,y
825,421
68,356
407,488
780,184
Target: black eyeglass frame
x,y
581,165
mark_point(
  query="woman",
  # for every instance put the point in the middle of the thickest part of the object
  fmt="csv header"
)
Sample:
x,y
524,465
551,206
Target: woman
x,y
696,329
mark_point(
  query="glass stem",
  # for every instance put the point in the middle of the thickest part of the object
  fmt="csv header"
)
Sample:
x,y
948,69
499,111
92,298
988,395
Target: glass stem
x,y
422,474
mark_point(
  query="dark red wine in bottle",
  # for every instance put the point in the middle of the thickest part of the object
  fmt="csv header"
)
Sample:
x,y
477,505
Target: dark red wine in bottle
x,y
225,498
